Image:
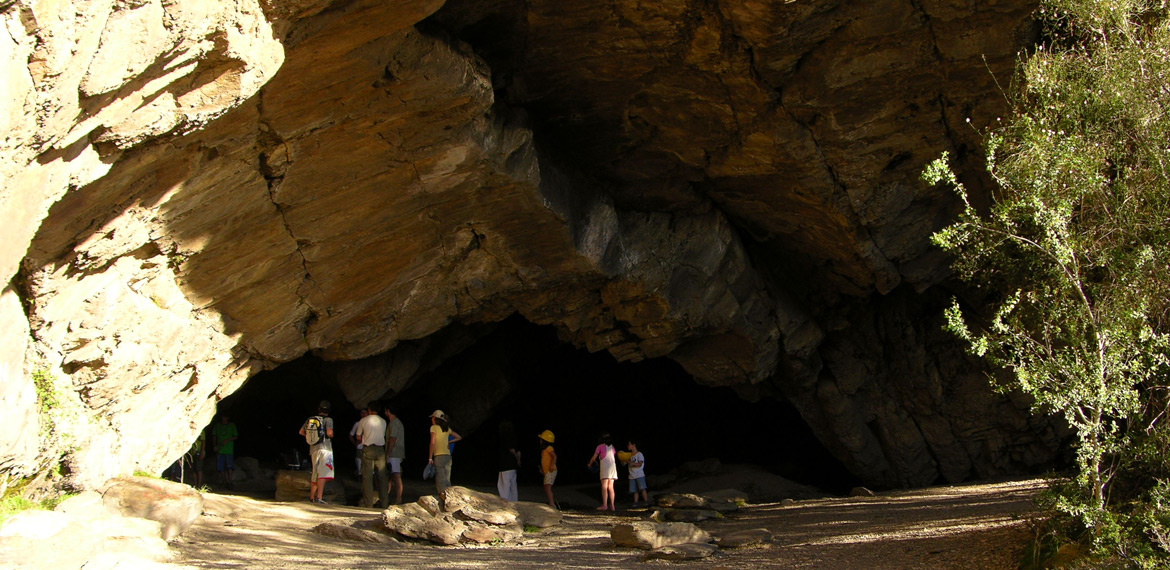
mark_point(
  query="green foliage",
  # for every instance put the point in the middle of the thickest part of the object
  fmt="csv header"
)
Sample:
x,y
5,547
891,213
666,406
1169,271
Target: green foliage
x,y
14,504
47,398
14,499
1074,254
531,528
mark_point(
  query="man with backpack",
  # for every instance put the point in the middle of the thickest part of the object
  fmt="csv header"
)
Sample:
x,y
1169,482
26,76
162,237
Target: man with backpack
x,y
318,433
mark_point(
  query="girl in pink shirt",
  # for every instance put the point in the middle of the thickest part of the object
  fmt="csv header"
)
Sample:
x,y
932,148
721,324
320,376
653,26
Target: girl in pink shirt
x,y
608,470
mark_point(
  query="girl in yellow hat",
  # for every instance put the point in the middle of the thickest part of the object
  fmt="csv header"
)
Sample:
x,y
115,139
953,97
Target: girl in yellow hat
x,y
548,464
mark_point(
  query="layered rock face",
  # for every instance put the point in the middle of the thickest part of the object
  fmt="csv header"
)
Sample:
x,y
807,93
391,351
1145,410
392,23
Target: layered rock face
x,y
727,184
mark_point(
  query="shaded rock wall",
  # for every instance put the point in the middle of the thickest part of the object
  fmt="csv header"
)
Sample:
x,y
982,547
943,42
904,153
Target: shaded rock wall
x,y
723,184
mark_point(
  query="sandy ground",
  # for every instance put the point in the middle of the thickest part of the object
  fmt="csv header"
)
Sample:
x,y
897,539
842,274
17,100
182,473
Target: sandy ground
x,y
970,527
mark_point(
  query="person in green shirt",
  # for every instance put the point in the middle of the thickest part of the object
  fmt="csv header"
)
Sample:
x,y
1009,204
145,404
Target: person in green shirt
x,y
225,435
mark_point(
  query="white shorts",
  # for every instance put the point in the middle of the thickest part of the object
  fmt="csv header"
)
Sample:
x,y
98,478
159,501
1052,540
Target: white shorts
x,y
550,477
395,464
322,465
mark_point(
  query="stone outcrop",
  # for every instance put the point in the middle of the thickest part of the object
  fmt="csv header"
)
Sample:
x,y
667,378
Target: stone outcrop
x,y
198,193
174,506
84,531
463,515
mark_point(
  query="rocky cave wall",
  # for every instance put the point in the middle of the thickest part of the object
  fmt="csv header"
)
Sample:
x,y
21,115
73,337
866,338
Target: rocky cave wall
x,y
201,191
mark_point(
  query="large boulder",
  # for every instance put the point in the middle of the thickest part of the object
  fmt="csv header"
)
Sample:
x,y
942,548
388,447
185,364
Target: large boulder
x,y
465,515
174,506
537,514
413,521
478,506
82,533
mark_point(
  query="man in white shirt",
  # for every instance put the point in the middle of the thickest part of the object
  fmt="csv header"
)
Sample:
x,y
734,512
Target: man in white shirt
x,y
371,432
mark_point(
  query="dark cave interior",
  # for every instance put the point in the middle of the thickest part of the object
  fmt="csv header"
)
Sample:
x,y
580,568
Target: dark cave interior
x,y
550,385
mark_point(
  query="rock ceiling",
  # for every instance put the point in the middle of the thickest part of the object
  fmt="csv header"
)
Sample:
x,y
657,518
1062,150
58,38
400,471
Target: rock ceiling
x,y
200,193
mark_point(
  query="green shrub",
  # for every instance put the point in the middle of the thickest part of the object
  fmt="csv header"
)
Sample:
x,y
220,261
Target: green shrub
x,y
1073,255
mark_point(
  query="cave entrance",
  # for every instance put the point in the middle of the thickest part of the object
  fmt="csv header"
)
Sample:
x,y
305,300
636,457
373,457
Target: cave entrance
x,y
522,373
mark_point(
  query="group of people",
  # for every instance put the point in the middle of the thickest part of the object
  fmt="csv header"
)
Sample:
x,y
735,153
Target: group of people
x,y
379,437
607,458
223,438
605,455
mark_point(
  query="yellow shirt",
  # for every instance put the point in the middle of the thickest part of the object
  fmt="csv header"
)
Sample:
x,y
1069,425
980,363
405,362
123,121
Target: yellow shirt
x,y
548,463
440,438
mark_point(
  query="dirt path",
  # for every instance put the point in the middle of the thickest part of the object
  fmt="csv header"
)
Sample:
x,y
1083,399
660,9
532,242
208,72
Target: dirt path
x,y
970,527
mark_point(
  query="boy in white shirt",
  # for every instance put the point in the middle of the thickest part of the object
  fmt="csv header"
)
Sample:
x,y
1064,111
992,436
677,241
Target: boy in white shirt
x,y
637,473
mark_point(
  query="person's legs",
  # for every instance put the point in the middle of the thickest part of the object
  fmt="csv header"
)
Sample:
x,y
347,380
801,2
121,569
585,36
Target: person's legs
x,y
231,468
549,479
604,495
442,472
609,488
506,485
367,476
396,478
380,477
513,488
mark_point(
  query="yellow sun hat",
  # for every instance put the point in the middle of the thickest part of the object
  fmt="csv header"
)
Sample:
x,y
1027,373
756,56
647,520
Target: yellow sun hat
x,y
547,436
624,456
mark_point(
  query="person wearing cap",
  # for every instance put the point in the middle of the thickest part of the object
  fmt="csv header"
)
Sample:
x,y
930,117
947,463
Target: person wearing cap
x,y
548,464
321,452
372,433
440,450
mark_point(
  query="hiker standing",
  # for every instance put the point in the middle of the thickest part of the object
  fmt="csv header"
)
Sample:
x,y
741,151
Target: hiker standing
x,y
395,451
371,432
225,435
318,433
509,462
442,437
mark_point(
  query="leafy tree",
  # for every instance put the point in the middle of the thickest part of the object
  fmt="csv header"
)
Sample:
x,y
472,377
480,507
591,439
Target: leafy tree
x,y
1074,255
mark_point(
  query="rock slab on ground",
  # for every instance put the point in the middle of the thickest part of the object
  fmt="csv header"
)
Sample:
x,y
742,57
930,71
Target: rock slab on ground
x,y
351,532
174,506
680,552
649,536
740,538
537,515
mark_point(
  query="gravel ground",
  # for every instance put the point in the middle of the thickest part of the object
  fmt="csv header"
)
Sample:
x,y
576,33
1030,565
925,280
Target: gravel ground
x,y
969,527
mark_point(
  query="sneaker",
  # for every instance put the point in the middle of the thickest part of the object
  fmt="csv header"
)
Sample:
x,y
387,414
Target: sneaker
x,y
320,501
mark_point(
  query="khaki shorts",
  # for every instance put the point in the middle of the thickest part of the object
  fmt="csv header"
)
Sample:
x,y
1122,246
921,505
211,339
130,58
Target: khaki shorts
x,y
550,477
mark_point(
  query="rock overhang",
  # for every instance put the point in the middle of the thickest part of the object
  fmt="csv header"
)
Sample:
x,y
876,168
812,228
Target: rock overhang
x,y
628,183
